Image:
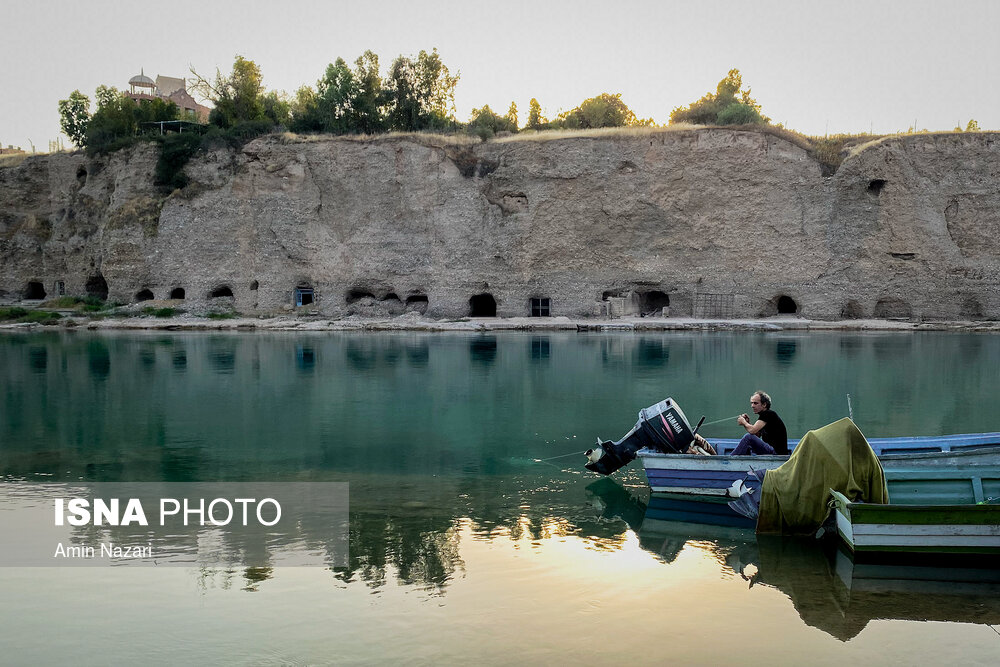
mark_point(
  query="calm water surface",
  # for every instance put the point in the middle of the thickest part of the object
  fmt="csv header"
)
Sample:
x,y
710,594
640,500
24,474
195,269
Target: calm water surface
x,y
463,546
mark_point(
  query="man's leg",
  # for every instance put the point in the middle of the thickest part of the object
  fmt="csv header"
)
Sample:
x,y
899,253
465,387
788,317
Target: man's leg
x,y
751,443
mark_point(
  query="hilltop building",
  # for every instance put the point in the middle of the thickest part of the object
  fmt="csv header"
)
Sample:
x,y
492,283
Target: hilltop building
x,y
141,87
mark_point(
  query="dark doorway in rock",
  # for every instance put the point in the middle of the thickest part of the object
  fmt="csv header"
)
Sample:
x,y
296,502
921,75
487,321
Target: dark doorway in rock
x,y
875,186
60,288
254,286
304,295
177,293
417,303
653,302
221,291
356,295
34,291
892,309
482,305
144,295
97,286
786,305
852,310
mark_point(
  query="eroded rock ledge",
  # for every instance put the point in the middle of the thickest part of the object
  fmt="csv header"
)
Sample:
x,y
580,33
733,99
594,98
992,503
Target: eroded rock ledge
x,y
705,223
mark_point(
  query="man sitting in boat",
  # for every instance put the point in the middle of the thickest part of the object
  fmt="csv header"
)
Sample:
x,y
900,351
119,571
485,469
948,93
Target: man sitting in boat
x,y
767,434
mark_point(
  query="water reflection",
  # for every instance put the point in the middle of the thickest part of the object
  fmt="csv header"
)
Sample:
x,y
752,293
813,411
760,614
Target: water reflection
x,y
483,351
305,358
829,590
784,351
99,359
441,443
38,359
539,349
651,353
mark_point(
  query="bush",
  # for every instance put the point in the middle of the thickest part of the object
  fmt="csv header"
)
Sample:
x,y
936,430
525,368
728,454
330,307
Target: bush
x,y
20,315
12,313
222,316
175,152
738,113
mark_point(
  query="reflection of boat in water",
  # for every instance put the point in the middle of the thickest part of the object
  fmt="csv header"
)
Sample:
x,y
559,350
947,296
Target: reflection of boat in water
x,y
829,590
839,596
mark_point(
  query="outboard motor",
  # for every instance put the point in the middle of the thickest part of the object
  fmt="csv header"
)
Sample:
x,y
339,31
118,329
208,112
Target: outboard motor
x,y
661,427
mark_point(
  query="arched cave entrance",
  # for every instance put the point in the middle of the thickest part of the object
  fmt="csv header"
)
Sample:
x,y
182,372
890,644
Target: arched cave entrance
x,y
786,305
652,302
482,305
852,310
221,291
355,295
892,309
875,186
97,286
34,291
177,293
144,295
417,302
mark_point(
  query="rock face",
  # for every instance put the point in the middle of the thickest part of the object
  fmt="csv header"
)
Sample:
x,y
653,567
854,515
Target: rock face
x,y
710,223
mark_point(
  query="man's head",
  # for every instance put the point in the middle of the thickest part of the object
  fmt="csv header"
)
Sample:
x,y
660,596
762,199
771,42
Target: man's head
x,y
760,401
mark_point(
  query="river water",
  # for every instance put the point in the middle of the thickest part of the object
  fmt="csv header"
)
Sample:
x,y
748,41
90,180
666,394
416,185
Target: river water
x,y
469,539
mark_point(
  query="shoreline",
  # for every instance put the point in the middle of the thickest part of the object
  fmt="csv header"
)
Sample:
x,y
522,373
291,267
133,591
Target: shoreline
x,y
413,322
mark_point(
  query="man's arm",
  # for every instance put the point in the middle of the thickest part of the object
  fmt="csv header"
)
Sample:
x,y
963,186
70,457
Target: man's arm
x,y
752,429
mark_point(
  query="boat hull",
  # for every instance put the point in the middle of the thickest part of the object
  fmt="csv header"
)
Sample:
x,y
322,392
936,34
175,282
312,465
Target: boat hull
x,y
925,529
955,477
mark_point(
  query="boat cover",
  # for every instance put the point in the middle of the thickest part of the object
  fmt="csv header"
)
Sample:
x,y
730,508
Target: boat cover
x,y
795,496
661,427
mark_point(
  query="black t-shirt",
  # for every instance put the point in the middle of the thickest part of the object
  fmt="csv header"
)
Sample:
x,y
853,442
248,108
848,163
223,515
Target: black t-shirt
x,y
774,432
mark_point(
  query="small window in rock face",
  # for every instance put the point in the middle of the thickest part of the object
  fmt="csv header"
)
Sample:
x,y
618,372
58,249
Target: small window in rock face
x,y
875,186
144,295
177,293
303,296
60,288
540,307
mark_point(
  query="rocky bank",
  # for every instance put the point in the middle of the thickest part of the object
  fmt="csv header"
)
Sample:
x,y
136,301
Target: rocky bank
x,y
705,223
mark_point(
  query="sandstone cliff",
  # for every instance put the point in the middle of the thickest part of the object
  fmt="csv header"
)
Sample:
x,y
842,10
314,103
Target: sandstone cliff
x,y
708,222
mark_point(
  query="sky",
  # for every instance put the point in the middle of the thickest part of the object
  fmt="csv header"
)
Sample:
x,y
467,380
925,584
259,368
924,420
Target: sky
x,y
815,67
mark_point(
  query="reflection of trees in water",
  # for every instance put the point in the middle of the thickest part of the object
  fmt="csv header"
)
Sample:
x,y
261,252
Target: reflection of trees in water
x,y
421,550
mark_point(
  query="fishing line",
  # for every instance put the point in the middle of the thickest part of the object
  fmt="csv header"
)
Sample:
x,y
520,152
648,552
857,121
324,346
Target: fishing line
x,y
718,421
561,456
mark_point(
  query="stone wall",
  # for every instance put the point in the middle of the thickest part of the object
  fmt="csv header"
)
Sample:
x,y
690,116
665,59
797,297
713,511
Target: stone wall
x,y
708,222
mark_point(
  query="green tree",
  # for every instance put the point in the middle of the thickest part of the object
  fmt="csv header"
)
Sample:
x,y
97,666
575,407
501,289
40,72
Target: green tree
x,y
304,111
119,119
605,110
730,105
74,117
420,94
512,116
369,97
238,97
535,119
486,123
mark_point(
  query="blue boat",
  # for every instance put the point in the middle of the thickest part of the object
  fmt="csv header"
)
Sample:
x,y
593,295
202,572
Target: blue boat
x,y
956,476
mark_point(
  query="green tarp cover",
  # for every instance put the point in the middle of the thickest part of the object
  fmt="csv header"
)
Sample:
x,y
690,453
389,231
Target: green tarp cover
x,y
794,496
